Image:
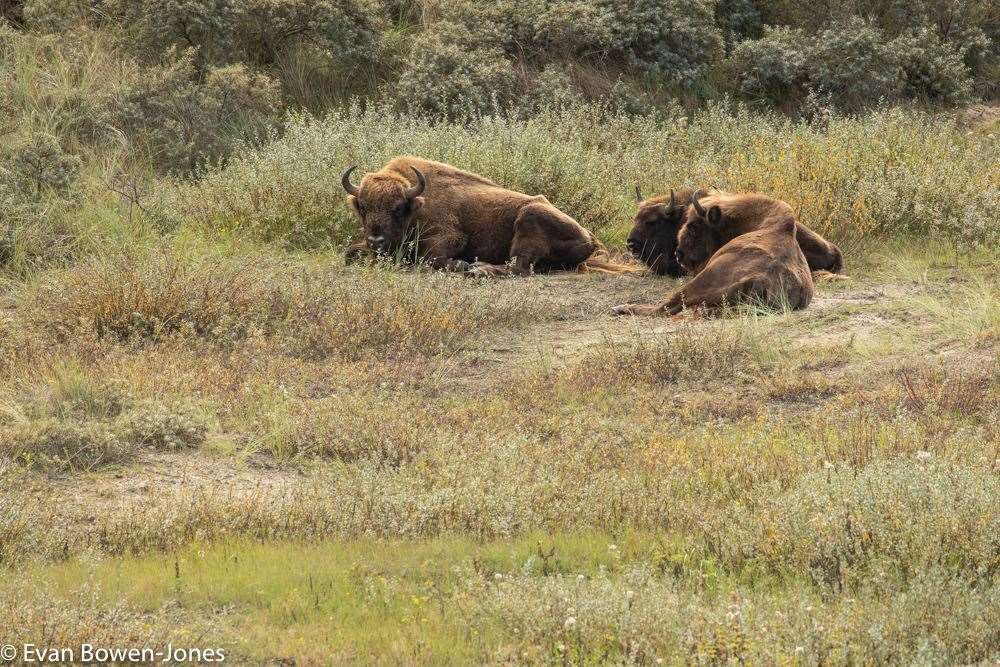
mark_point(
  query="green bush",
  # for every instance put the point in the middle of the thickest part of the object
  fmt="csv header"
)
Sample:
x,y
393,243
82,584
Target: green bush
x,y
847,526
575,28
673,39
933,69
553,88
447,74
773,68
37,164
509,26
852,65
739,19
255,32
855,66
179,122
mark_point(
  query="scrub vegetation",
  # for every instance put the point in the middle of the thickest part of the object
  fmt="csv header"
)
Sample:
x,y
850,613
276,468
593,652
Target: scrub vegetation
x,y
214,433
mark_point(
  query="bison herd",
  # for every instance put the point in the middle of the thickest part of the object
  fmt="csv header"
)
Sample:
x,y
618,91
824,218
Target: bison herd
x,y
737,248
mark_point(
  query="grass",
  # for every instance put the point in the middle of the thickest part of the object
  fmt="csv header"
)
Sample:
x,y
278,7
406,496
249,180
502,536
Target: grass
x,y
572,598
889,176
836,466
214,432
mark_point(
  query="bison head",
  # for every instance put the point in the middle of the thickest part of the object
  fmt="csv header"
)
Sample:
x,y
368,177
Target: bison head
x,y
653,239
700,236
386,204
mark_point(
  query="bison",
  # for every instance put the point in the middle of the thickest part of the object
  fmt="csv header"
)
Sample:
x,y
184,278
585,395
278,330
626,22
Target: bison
x,y
460,221
764,266
654,236
743,213
653,239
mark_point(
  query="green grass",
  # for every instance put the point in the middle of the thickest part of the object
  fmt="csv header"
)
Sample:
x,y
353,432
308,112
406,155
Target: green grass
x,y
211,430
576,598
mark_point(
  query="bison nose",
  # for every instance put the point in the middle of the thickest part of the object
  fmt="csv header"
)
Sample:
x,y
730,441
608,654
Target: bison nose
x,y
377,243
633,245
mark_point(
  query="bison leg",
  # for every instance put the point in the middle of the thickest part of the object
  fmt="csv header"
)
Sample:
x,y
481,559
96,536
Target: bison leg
x,y
441,252
357,252
672,306
546,238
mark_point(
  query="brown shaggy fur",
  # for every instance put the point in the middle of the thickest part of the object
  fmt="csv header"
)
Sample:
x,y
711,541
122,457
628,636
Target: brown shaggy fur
x,y
465,222
765,266
743,213
653,239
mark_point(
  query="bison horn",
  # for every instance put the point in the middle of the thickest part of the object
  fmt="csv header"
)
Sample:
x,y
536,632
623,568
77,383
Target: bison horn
x,y
345,180
673,200
417,189
638,193
697,205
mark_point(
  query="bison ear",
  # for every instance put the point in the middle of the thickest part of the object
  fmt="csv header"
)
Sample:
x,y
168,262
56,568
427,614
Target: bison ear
x,y
715,217
416,204
352,201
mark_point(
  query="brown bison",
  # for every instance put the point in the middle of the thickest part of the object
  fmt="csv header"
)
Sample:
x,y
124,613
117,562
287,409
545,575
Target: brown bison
x,y
459,221
653,239
765,266
654,236
743,213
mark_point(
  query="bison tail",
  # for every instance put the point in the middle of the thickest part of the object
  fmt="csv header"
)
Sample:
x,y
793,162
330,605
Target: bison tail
x,y
600,261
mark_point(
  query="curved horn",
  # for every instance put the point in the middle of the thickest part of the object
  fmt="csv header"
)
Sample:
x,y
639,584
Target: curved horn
x,y
417,189
638,193
699,193
673,200
345,180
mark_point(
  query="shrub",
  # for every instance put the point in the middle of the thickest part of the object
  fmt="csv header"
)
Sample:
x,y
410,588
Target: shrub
x,y
846,526
149,295
54,16
575,28
730,350
447,74
180,122
773,68
396,317
669,38
852,63
164,427
256,32
739,19
553,88
50,444
933,69
351,428
505,25
36,164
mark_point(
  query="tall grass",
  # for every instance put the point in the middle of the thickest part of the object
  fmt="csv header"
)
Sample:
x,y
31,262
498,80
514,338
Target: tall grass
x,y
894,174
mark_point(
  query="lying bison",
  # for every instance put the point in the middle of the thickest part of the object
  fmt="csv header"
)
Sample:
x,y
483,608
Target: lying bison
x,y
765,266
654,236
653,239
459,221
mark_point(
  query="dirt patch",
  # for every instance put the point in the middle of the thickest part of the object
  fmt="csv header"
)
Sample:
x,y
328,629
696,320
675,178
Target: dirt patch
x,y
161,474
980,117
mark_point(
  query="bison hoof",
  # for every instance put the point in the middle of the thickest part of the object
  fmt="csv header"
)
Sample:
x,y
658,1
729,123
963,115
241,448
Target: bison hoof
x,y
624,309
483,270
